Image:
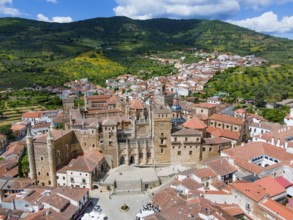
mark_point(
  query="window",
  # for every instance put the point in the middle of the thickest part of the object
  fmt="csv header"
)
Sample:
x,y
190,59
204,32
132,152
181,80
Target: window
x,y
175,139
179,153
57,177
210,149
63,178
203,149
49,182
162,150
186,139
162,141
84,181
42,158
190,152
162,134
72,179
47,174
39,173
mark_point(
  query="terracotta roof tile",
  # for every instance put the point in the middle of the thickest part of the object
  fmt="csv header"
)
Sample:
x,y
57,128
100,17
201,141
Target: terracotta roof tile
x,y
195,123
277,209
227,119
252,190
86,163
216,140
204,105
205,173
57,134
136,104
255,149
32,114
217,132
18,127
283,182
221,166
271,186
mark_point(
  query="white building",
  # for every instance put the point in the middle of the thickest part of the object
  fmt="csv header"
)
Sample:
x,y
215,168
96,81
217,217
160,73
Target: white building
x,y
82,171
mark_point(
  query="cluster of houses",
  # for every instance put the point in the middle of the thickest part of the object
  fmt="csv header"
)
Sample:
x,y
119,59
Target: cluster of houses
x,y
39,121
191,78
241,166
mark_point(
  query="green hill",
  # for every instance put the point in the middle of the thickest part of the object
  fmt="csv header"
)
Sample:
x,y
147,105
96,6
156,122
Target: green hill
x,y
40,53
259,83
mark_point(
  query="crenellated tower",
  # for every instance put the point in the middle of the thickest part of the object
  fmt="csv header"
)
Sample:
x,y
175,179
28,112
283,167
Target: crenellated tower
x,y
52,159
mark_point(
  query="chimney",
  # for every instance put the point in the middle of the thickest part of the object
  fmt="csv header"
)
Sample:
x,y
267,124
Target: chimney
x,y
286,144
273,141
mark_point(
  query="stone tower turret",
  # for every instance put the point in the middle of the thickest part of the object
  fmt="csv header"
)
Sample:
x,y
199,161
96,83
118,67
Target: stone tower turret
x,y
162,134
31,154
110,145
52,159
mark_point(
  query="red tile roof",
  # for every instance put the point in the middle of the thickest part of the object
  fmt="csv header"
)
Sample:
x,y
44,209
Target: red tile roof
x,y
277,209
86,163
204,173
204,105
136,104
252,190
254,149
34,114
283,182
271,186
195,123
227,119
217,132
57,134
18,127
221,166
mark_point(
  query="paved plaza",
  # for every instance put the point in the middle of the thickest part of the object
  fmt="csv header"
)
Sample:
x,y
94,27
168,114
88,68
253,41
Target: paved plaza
x,y
111,205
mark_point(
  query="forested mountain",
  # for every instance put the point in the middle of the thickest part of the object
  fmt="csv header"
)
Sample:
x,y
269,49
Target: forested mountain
x,y
40,53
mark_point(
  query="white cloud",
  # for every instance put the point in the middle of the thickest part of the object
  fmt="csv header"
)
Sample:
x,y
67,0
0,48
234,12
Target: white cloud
x,y
42,17
146,9
268,23
6,10
52,1
222,9
257,4
56,19
62,19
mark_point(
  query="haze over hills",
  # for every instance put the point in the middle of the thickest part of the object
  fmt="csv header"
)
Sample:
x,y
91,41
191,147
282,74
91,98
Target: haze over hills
x,y
34,52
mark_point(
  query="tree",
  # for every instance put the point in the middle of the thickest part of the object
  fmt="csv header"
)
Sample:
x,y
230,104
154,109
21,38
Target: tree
x,y
8,132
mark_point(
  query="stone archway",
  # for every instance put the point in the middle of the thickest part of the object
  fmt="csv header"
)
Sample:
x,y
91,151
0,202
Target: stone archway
x,y
132,160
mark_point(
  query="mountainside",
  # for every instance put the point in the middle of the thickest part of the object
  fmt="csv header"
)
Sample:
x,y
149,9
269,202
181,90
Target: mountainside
x,y
34,52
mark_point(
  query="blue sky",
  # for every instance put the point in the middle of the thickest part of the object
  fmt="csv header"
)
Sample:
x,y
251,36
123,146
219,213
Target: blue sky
x,y
273,17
